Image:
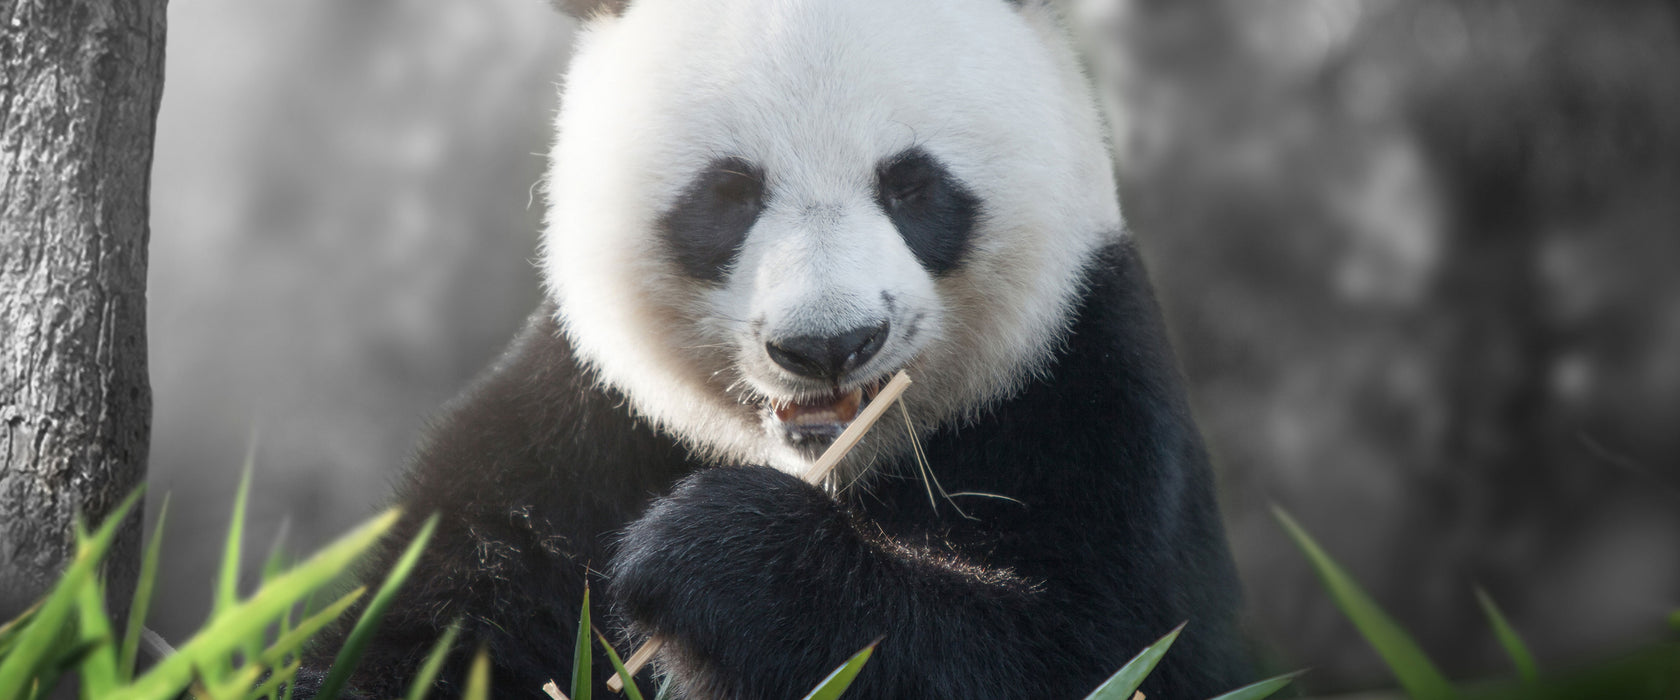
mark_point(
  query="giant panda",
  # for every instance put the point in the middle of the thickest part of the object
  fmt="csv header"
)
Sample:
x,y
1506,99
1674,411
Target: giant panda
x,y
758,211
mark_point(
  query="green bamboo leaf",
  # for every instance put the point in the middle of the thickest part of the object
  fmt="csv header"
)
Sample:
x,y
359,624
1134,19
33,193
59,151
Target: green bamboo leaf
x,y
37,640
664,692
630,688
98,670
1651,673
351,653
275,565
65,661
1508,638
227,633
837,682
478,679
422,683
291,642
581,657
1261,689
276,561
227,577
1125,682
1416,673
142,603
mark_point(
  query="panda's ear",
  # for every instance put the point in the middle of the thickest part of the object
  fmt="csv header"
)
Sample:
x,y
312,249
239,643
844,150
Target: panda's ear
x,y
585,9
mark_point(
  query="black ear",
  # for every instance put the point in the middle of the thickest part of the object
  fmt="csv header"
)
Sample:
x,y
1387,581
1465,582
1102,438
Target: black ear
x,y
585,9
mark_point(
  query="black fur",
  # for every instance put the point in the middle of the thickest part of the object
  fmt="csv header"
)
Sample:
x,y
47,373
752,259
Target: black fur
x,y
933,212
763,584
704,229
533,470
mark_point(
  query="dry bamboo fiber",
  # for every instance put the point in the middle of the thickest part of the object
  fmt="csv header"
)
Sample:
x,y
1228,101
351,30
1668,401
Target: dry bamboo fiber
x,y
818,472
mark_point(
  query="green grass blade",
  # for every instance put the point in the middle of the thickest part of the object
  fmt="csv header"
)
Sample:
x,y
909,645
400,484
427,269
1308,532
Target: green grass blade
x,y
356,642
248,620
1508,638
291,642
837,682
421,686
65,661
275,563
1416,673
1651,673
98,670
1125,682
630,689
478,679
40,636
1674,620
664,692
581,657
1262,689
227,577
142,603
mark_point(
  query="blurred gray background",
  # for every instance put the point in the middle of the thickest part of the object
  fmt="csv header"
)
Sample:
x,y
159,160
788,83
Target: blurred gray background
x,y
1420,258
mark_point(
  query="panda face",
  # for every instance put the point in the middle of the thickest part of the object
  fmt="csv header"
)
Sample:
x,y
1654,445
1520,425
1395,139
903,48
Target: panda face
x,y
762,209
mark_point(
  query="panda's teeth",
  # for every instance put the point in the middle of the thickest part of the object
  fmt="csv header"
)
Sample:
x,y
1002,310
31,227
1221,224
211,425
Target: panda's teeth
x,y
838,408
847,407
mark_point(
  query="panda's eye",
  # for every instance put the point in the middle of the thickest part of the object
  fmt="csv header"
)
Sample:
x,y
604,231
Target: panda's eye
x,y
932,210
736,187
905,180
704,229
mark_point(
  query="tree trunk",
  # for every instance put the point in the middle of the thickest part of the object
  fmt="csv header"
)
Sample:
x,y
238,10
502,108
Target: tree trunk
x,y
80,82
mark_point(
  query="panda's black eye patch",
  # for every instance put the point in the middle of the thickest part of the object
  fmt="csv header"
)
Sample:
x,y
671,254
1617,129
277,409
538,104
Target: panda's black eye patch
x,y
932,210
704,229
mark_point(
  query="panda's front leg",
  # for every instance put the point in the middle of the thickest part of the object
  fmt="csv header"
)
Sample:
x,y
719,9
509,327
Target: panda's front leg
x,y
761,584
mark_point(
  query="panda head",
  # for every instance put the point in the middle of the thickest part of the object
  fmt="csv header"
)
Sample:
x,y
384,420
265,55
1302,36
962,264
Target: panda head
x,y
760,210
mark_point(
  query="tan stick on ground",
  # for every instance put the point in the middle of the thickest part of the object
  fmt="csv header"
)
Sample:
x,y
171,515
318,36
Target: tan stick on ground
x,y
818,472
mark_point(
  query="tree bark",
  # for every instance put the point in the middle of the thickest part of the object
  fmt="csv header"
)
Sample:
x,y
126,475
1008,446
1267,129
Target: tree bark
x,y
80,82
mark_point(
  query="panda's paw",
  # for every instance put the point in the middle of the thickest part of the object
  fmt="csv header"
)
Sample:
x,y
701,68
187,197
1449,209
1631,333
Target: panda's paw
x,y
725,537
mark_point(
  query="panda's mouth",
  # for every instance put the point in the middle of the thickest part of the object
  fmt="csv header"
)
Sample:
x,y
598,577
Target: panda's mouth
x,y
815,421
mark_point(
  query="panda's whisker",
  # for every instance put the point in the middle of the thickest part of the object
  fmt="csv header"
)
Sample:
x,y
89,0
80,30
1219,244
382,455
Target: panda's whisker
x,y
982,494
947,496
929,480
921,461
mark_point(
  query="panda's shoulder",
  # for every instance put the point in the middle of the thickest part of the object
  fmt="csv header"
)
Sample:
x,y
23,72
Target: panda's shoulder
x,y
535,411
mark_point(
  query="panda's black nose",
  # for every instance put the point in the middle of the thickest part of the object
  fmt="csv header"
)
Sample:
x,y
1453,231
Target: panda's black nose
x,y
828,356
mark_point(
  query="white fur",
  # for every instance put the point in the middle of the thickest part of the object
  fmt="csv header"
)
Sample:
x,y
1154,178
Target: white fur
x,y
817,93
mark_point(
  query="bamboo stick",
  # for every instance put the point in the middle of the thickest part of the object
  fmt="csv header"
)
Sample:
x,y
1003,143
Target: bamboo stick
x,y
816,474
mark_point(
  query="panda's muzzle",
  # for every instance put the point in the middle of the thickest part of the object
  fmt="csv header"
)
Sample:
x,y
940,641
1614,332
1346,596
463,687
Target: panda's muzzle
x,y
829,359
